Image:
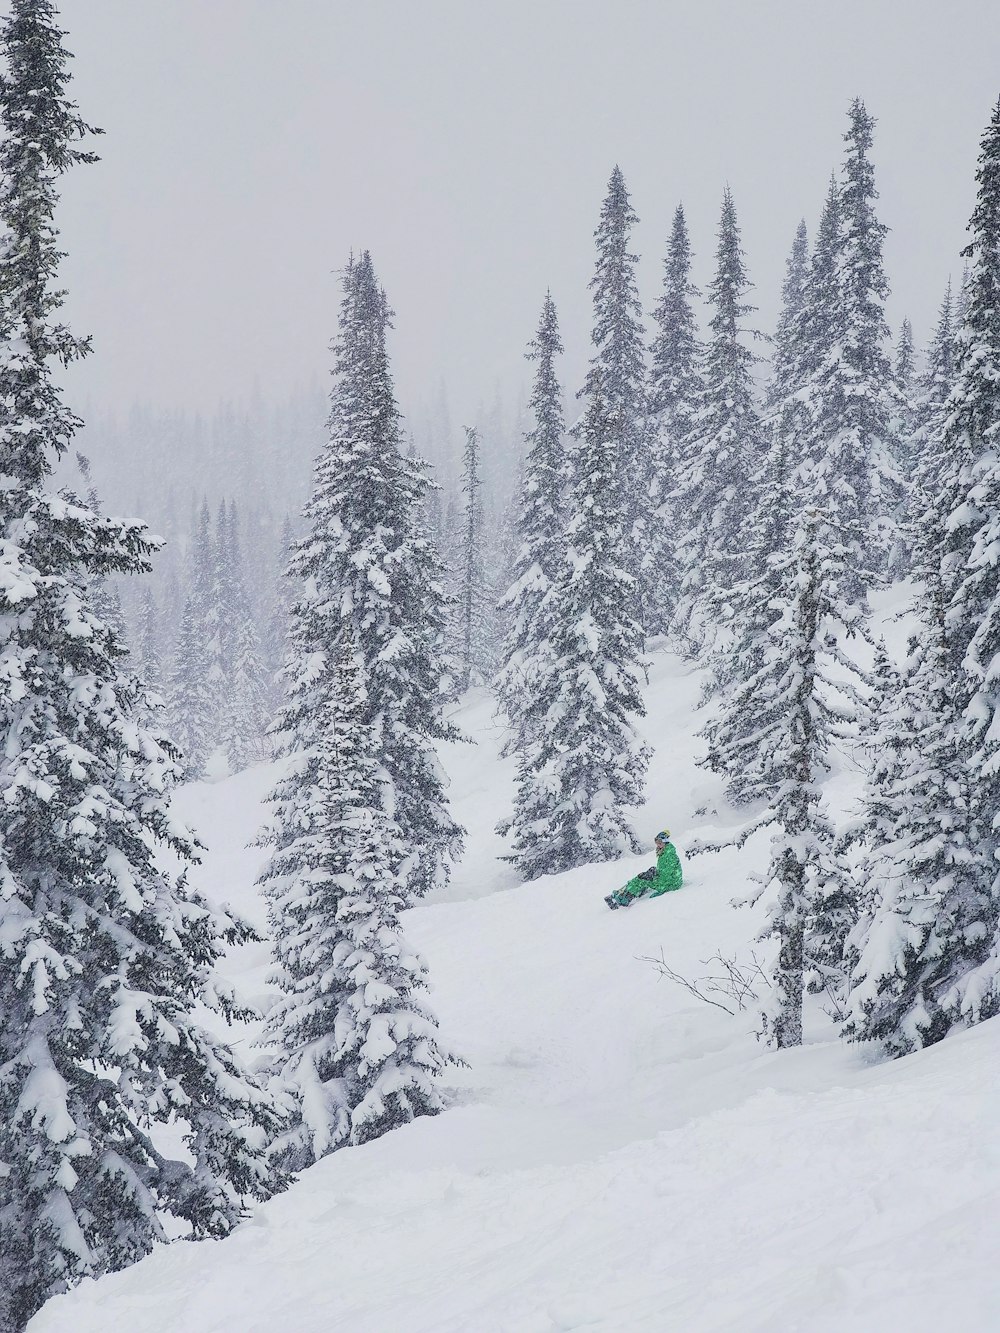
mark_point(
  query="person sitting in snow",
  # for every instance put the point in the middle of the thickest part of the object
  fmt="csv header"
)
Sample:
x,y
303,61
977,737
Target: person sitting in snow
x,y
665,876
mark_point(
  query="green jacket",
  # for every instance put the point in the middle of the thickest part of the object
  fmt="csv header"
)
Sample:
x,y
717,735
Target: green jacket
x,y
668,876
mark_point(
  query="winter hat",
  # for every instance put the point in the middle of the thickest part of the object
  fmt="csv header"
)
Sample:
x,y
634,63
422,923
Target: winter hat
x,y
663,835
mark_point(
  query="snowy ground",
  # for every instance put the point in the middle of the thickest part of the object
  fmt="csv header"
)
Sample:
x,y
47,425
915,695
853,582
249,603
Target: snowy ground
x,y
618,1156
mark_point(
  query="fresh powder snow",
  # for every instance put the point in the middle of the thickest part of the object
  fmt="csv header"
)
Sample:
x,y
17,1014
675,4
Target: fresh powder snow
x,y
617,1155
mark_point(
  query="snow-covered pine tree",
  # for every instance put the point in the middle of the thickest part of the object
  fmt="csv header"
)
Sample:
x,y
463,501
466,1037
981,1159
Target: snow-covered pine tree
x,y
785,356
149,661
105,954
248,712
920,869
971,439
356,1048
727,445
863,436
475,639
585,768
933,483
364,563
194,702
541,528
675,391
675,353
617,372
105,600
904,373
799,697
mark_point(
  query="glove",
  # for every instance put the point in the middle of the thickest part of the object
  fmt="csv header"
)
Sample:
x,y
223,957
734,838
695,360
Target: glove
x,y
647,874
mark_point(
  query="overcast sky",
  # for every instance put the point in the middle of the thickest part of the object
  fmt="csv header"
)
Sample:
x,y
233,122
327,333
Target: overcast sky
x,y
250,144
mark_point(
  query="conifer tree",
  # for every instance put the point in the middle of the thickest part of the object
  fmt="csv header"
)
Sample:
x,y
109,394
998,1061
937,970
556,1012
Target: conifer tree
x,y
969,568
247,715
617,372
356,1047
784,361
584,770
863,434
934,474
149,659
798,693
920,868
541,526
675,391
675,354
105,954
364,565
194,686
727,446
475,639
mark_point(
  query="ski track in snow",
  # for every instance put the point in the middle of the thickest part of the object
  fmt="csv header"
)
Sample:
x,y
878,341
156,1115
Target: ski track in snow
x,y
617,1156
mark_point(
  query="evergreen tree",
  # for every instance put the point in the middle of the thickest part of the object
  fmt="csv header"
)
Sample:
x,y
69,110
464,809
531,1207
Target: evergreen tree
x,y
969,567
727,447
799,696
364,565
475,646
675,354
248,711
785,360
149,661
934,475
920,867
617,374
675,391
194,686
585,768
863,434
105,954
541,526
357,1049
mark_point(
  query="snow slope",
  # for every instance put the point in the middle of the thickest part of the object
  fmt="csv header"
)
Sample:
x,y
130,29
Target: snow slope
x,y
618,1155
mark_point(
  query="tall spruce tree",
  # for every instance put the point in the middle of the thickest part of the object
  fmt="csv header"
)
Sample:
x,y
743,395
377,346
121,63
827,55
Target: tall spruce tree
x,y
247,710
194,686
675,391
969,568
934,472
366,566
475,645
727,446
585,768
863,435
356,1048
105,954
541,527
617,373
920,867
799,697
785,357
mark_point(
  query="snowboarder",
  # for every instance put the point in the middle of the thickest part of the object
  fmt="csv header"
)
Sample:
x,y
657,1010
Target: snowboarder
x,y
665,876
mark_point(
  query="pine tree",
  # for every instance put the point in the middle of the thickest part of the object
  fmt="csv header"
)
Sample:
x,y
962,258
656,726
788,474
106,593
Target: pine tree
x,y
363,564
727,445
148,654
356,1047
582,772
863,435
785,359
617,373
972,435
541,527
920,867
934,477
105,954
675,391
194,686
475,640
799,696
248,713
